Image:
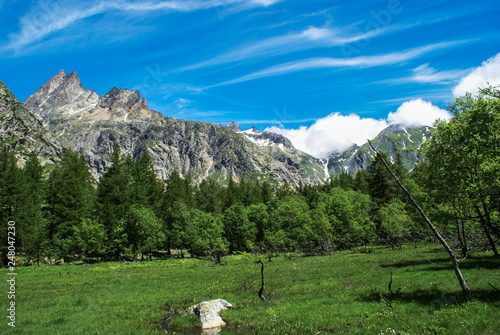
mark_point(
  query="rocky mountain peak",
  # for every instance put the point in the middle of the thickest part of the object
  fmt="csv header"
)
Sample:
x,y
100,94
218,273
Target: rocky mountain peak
x,y
233,126
123,101
54,94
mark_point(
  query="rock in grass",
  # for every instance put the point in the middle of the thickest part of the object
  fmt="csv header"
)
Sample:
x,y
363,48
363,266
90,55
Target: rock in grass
x,y
208,312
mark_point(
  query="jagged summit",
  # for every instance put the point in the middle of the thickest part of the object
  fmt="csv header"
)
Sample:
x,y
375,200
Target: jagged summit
x,y
233,126
252,130
56,93
92,125
123,101
63,98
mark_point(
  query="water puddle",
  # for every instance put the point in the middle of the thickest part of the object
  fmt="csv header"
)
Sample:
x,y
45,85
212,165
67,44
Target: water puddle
x,y
214,331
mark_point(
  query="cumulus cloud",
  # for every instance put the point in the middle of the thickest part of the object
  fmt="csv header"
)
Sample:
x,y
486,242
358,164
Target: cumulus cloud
x,y
336,132
333,133
483,76
417,112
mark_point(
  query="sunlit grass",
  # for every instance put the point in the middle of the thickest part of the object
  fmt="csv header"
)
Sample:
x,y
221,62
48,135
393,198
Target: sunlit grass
x,y
341,293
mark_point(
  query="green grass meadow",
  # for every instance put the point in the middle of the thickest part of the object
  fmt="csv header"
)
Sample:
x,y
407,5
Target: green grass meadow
x,y
336,294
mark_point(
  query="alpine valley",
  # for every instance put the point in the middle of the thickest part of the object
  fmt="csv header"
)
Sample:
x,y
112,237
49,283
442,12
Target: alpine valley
x,y
62,114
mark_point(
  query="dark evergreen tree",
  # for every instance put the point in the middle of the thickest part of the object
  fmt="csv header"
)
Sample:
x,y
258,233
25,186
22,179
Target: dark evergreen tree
x,y
114,191
360,182
231,194
177,189
147,190
70,199
208,196
11,196
380,183
32,226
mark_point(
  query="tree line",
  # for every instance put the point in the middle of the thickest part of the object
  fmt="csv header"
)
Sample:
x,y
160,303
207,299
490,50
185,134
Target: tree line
x,y
62,212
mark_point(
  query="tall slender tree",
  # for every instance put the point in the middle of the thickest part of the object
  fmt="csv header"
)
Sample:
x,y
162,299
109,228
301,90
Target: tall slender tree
x,y
70,199
33,224
114,191
11,195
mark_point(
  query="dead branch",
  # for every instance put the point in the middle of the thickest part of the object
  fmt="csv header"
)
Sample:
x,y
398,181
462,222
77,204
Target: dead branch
x,y
262,276
390,291
465,289
388,302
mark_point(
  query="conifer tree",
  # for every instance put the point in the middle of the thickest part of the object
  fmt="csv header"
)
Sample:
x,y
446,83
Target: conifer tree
x,y
33,224
114,191
147,190
70,199
11,186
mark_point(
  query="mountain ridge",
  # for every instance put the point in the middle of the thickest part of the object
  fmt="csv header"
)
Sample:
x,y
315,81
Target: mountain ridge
x,y
23,133
66,115
93,125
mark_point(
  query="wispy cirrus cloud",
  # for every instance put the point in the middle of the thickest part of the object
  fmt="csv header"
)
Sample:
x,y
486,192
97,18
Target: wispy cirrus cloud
x,y
327,62
309,38
47,18
424,74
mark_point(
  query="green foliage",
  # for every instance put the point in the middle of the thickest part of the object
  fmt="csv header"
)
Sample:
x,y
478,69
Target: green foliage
x,y
69,200
395,223
205,234
11,196
90,238
178,189
349,212
208,196
143,229
115,191
32,228
461,170
178,219
147,190
239,231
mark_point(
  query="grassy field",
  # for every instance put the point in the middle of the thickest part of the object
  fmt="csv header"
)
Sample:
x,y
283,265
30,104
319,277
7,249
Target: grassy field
x,y
341,293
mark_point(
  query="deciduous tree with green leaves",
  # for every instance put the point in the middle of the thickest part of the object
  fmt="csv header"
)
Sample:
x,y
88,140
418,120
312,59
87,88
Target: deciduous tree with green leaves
x,y
462,162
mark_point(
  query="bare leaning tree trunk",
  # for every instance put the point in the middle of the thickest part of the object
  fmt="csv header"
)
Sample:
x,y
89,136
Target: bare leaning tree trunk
x,y
465,289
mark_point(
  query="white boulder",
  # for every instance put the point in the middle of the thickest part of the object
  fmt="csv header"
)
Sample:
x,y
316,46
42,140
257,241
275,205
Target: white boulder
x,y
208,312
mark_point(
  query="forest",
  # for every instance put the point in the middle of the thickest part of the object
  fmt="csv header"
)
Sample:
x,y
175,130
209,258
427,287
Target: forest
x,y
62,213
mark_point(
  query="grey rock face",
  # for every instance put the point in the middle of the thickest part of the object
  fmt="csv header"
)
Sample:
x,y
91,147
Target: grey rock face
x,y
394,140
93,125
23,133
233,126
267,138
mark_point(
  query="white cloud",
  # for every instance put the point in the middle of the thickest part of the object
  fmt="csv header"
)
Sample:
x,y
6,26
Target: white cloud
x,y
481,77
336,132
333,133
417,113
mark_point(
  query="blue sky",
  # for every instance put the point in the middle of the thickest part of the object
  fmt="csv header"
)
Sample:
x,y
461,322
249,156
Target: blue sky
x,y
325,73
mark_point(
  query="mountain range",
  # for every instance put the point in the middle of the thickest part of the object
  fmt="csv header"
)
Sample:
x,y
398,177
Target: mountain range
x,y
62,114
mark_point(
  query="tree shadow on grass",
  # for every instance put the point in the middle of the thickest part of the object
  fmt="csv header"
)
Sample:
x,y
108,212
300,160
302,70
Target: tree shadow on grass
x,y
431,297
444,263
